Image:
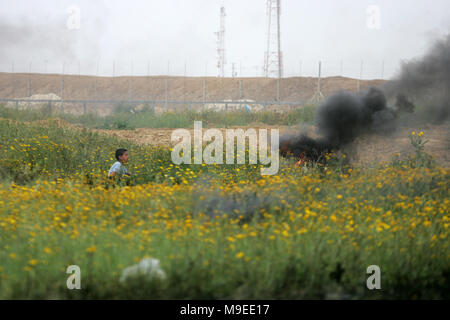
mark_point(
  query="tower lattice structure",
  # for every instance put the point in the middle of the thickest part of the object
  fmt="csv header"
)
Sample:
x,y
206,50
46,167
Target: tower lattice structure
x,y
273,60
221,58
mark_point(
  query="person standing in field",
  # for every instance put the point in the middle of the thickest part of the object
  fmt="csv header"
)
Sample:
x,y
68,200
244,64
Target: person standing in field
x,y
118,168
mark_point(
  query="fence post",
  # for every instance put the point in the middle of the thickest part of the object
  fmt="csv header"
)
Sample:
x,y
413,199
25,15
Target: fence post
x,y
62,94
203,93
130,90
29,91
84,108
240,89
167,93
28,88
360,76
278,89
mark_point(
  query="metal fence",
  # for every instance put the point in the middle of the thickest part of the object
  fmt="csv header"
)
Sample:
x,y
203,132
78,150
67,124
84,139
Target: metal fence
x,y
163,105
166,93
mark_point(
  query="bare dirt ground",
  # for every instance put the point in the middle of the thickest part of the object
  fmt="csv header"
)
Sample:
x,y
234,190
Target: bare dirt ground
x,y
380,148
369,149
162,137
77,87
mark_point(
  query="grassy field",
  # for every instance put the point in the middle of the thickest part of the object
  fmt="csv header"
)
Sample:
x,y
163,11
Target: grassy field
x,y
124,117
218,231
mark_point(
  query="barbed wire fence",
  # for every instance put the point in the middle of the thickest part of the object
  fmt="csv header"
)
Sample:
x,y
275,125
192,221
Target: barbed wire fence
x,y
112,84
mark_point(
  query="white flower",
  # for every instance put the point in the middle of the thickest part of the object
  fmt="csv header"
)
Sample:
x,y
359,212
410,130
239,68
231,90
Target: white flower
x,y
148,268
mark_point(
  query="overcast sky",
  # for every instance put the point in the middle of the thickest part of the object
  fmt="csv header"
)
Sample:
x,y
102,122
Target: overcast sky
x,y
170,34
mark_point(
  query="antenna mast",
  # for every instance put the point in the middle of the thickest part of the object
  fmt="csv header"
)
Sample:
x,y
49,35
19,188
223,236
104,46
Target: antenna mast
x,y
221,60
273,60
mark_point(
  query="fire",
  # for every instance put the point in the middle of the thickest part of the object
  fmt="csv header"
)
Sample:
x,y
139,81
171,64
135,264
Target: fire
x,y
302,160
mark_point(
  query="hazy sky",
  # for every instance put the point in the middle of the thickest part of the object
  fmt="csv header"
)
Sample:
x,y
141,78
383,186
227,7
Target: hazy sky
x,y
173,33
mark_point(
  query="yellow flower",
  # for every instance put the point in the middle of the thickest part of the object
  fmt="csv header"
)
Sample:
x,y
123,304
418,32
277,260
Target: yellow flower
x,y
91,249
240,255
33,262
413,133
339,196
12,255
231,239
47,250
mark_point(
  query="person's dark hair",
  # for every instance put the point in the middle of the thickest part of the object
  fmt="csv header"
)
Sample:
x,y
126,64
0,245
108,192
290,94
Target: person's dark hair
x,y
120,152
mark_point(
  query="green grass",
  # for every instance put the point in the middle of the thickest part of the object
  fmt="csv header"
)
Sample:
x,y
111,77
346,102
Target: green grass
x,y
121,118
218,231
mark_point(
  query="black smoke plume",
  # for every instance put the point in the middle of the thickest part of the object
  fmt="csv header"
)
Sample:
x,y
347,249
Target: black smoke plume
x,y
427,81
344,116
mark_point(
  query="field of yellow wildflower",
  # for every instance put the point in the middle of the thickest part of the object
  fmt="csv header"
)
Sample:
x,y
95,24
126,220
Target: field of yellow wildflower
x,y
218,231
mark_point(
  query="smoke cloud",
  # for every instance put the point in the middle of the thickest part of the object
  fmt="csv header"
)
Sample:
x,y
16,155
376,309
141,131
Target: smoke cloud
x,y
52,42
427,81
344,116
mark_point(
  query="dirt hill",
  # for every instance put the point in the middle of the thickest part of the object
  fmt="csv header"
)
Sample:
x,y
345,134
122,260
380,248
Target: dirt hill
x,y
20,85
